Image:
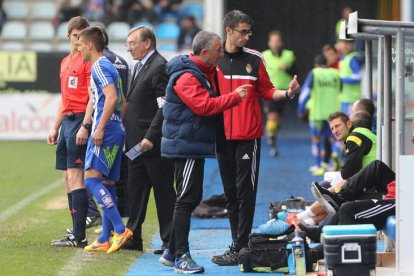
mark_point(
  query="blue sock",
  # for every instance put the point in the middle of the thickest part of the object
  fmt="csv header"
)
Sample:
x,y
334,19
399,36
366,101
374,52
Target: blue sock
x,y
316,152
106,223
107,203
79,210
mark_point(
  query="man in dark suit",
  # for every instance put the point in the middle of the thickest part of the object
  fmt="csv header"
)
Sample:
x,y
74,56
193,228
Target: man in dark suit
x,y
143,121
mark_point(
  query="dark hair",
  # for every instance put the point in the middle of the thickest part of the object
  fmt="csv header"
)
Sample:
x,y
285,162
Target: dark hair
x,y
94,35
105,34
145,33
338,114
327,47
365,105
77,22
233,18
361,119
275,32
320,60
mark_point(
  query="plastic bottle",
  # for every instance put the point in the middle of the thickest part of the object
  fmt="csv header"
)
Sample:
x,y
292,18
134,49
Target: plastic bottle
x,y
271,212
282,215
299,254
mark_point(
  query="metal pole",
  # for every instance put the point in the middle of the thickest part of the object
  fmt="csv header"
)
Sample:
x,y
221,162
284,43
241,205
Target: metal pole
x,y
399,97
368,67
387,101
380,97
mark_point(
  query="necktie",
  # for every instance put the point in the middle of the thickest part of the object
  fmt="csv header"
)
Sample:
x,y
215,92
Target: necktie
x,y
137,68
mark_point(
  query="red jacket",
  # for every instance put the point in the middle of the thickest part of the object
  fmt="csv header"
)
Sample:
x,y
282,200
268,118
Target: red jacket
x,y
190,91
244,122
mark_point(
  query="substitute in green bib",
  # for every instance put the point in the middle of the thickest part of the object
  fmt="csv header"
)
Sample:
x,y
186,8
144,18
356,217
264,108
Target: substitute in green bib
x,y
350,70
320,97
279,62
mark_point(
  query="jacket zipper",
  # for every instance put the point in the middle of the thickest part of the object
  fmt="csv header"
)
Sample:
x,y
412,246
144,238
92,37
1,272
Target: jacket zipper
x,y
231,89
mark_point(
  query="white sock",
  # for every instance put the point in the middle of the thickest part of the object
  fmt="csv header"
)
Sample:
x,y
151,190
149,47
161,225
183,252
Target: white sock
x,y
309,222
310,213
302,215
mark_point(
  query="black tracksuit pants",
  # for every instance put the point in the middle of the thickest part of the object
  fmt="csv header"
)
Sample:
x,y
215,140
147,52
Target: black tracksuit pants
x,y
189,175
376,211
239,169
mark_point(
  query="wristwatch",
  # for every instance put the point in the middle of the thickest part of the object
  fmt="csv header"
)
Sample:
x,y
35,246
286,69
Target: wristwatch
x,y
87,126
287,95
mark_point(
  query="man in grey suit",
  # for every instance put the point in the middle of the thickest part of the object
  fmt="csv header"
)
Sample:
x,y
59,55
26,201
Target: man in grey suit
x,y
143,121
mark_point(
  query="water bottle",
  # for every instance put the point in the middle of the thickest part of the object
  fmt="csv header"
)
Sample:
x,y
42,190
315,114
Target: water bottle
x,y
271,212
282,215
299,254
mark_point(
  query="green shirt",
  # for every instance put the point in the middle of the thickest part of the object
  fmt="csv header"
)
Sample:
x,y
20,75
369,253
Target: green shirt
x,y
278,77
324,97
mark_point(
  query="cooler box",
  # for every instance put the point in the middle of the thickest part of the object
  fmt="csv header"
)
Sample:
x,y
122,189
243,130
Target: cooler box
x,y
350,249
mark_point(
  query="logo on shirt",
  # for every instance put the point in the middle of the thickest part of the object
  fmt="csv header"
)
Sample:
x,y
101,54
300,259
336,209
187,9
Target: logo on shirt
x,y
73,82
245,157
249,68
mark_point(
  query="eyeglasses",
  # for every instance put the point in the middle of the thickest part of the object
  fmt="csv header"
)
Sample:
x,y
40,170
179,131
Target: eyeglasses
x,y
244,32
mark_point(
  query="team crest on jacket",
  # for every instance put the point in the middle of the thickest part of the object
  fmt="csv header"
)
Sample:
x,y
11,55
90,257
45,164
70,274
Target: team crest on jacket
x,y
249,68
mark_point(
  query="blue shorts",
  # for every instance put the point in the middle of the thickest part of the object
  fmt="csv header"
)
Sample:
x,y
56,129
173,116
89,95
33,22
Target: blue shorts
x,y
346,108
68,154
106,158
320,129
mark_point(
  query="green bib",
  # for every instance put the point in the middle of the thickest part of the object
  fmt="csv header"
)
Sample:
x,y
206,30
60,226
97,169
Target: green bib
x,y
350,92
325,92
278,77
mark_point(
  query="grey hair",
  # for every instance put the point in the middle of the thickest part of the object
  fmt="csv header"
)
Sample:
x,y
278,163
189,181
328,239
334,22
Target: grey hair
x,y
203,40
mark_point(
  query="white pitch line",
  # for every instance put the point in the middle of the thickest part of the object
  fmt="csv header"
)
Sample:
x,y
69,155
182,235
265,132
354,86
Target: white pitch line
x,y
27,200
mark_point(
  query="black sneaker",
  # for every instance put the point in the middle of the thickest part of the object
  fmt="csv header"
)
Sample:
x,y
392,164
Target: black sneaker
x,y
313,233
160,250
230,257
329,201
70,241
93,221
134,245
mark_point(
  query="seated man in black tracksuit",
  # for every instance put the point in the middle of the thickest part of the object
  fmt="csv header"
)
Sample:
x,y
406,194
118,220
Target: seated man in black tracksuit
x,y
367,197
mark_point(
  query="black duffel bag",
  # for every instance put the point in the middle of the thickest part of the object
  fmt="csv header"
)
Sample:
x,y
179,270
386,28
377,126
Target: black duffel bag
x,y
266,253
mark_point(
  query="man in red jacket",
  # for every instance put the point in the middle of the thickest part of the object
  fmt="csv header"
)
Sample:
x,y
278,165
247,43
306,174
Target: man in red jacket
x,y
238,142
189,135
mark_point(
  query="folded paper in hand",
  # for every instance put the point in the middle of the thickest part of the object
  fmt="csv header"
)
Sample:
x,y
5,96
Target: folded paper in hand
x,y
134,152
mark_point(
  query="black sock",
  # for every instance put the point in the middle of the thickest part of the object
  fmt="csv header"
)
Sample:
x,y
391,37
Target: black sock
x,y
70,207
80,209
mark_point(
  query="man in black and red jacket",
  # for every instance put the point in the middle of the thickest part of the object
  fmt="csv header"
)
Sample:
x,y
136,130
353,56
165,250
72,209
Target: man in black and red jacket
x,y
238,142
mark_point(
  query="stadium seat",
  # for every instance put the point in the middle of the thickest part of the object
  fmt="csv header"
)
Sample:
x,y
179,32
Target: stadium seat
x,y
168,47
43,10
168,31
16,9
12,46
62,31
14,30
194,9
118,31
40,46
41,31
62,47
143,23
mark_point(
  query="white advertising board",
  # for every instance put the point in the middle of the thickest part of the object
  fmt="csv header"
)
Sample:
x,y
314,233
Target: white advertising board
x,y
27,116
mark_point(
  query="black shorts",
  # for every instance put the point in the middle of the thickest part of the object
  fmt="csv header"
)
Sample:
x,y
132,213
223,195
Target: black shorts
x,y
68,154
275,106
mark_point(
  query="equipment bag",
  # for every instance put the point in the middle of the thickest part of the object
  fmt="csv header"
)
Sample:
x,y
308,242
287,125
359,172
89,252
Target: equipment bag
x,y
266,253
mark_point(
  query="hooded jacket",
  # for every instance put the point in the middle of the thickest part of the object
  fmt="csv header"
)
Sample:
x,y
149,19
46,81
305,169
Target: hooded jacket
x,y
191,103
